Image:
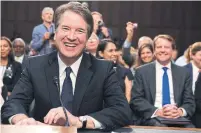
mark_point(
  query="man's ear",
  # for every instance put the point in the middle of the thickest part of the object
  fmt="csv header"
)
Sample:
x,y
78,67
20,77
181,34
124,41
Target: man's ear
x,y
55,36
42,17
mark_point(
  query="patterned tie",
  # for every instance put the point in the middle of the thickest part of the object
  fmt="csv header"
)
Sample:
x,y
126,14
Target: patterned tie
x,y
166,90
67,91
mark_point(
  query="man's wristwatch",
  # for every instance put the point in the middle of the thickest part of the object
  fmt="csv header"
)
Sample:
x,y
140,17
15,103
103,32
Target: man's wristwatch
x,y
83,119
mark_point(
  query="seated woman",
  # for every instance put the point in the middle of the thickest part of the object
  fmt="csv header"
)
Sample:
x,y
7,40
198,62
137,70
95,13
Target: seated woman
x,y
145,55
9,68
107,50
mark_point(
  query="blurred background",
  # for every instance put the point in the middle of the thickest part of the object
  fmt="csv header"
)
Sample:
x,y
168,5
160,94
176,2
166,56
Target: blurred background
x,y
180,19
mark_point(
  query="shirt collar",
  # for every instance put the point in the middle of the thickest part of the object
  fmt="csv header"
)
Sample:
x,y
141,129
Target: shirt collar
x,y
75,66
159,66
20,56
195,68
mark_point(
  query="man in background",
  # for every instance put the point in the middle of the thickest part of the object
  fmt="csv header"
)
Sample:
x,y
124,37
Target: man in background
x,y
162,89
99,26
41,33
19,51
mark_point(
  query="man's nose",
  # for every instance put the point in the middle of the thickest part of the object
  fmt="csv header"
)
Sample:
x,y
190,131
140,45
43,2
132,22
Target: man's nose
x,y
71,35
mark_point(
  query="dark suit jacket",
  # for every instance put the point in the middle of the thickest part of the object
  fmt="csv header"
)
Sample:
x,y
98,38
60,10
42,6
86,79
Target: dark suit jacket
x,y
96,84
24,61
197,115
190,69
122,72
144,90
17,70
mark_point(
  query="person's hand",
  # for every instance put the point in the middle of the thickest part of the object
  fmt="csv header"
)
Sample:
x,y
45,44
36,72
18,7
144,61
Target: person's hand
x,y
159,113
74,121
46,36
130,30
171,111
9,93
105,31
56,116
29,121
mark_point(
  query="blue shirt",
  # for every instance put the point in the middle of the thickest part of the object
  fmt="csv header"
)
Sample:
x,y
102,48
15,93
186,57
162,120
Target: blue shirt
x,y
42,47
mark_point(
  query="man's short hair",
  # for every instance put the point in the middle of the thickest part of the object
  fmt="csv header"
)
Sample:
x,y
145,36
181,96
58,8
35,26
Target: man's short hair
x,y
96,13
19,39
77,8
144,38
167,37
195,48
45,9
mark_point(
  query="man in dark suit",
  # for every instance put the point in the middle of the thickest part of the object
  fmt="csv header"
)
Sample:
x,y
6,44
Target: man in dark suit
x,y
19,51
197,115
161,88
90,94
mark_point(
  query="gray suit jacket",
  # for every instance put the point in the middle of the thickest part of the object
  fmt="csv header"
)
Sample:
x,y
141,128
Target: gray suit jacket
x,y
144,90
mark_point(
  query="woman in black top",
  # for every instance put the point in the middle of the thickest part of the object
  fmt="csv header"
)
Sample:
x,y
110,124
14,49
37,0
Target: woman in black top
x,y
107,50
10,69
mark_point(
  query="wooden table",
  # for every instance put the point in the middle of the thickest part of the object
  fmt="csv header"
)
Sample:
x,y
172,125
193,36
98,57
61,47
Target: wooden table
x,y
128,129
165,128
37,129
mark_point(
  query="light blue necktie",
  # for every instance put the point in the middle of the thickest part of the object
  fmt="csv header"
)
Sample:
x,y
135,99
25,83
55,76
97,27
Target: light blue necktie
x,y
165,89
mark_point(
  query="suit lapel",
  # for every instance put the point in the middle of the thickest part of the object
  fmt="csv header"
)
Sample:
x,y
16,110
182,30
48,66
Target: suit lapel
x,y
52,70
83,77
152,74
175,81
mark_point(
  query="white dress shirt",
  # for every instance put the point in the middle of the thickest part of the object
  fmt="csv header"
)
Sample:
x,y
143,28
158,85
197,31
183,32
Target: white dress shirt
x,y
159,84
19,59
195,75
62,75
181,61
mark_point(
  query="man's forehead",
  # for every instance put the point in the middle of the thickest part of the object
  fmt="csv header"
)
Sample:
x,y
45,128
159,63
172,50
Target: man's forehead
x,y
159,40
48,11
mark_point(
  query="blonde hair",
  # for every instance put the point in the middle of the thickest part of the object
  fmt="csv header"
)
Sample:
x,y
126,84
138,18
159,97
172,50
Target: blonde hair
x,y
167,37
195,48
187,54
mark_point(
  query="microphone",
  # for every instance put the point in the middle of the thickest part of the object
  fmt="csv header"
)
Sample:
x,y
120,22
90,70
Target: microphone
x,y
56,82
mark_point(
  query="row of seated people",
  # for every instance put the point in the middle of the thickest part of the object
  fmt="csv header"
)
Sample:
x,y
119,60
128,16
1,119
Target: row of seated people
x,y
156,91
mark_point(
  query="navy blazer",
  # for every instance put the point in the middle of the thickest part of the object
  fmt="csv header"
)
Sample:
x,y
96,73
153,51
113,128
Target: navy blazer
x,y
96,85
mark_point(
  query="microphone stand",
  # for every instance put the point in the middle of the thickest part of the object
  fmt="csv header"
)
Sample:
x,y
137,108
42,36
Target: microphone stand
x,y
64,109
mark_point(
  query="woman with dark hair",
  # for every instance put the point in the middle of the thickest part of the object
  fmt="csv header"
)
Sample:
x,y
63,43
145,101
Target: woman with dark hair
x,y
145,55
10,69
107,50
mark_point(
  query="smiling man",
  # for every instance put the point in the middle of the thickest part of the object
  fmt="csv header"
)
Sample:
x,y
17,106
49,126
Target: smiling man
x,y
162,89
69,81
